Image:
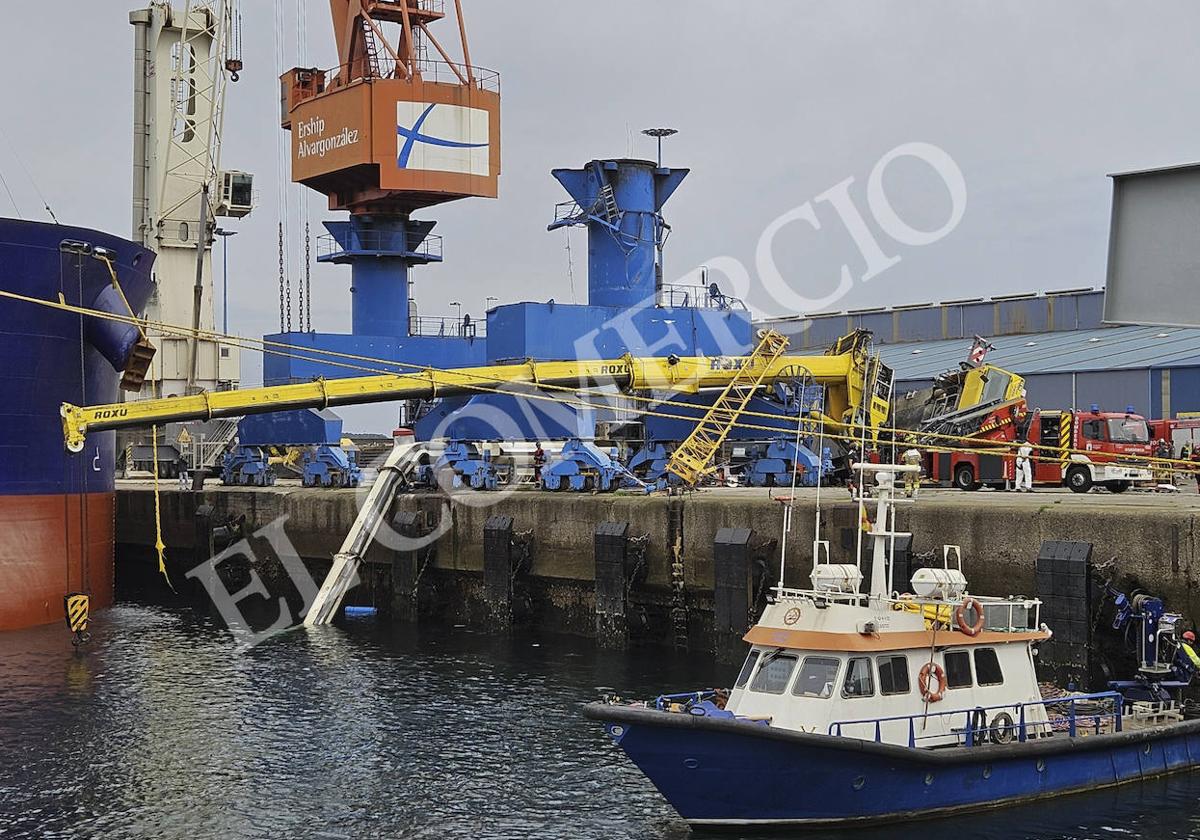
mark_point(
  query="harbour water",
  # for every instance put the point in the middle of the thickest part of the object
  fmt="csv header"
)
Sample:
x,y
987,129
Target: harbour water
x,y
159,728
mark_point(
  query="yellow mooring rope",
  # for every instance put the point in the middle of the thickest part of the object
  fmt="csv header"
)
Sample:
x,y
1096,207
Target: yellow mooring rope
x,y
159,545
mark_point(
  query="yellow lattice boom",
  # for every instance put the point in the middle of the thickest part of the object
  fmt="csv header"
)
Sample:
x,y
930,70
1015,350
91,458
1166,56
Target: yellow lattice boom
x,y
693,458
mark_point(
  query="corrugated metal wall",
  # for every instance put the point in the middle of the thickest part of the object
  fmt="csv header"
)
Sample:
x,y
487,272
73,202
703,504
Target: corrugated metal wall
x,y
1050,390
1052,312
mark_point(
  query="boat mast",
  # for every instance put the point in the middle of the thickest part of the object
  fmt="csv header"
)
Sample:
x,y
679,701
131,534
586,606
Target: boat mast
x,y
805,375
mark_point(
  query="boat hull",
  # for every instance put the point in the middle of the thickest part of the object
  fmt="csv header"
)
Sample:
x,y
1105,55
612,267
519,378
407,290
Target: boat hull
x,y
720,771
53,544
56,507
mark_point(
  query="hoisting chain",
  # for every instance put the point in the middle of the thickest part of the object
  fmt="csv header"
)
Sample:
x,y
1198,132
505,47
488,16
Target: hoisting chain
x,y
300,287
306,295
281,272
288,288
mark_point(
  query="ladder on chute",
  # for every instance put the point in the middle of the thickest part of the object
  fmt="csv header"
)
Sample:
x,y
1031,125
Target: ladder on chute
x,y
693,458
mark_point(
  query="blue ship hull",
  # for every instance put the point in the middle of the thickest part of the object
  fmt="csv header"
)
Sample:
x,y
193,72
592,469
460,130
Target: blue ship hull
x,y
56,508
718,771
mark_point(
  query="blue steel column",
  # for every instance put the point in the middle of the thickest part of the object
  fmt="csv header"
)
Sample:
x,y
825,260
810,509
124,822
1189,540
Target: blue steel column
x,y
380,250
622,223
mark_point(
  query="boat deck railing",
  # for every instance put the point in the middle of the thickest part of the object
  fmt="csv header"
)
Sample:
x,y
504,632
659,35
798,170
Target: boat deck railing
x,y
664,701
1001,615
1076,714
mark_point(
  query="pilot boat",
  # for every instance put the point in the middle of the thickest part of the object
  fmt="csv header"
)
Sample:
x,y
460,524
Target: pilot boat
x,y
854,707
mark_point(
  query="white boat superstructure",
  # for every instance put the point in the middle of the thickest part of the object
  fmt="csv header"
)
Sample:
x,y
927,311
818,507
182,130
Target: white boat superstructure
x,y
910,669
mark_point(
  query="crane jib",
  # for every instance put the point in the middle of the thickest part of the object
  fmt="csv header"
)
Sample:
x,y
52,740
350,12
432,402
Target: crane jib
x,y
671,373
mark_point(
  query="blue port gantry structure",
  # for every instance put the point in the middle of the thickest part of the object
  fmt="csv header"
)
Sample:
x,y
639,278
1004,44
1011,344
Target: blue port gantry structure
x,y
628,309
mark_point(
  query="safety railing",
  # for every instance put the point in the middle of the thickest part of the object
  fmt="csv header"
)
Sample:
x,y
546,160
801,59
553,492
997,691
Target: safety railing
x,y
447,326
1000,615
665,701
430,70
700,297
381,242
1074,714
568,212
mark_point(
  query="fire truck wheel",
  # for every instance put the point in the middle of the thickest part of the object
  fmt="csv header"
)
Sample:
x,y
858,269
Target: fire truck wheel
x,y
964,478
1079,479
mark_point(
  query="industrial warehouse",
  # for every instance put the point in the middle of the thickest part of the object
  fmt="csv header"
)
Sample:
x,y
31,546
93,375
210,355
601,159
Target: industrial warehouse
x,y
580,521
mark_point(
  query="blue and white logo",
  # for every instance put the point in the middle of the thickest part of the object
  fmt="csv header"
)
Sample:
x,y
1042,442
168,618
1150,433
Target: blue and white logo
x,y
442,138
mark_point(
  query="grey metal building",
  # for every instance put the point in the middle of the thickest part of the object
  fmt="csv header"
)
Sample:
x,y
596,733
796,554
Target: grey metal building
x,y
1055,340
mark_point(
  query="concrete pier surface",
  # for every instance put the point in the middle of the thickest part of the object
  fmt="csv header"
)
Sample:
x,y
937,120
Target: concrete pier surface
x,y
1151,536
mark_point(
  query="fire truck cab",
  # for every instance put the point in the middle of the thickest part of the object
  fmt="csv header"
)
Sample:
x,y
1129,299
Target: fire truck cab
x,y
1080,449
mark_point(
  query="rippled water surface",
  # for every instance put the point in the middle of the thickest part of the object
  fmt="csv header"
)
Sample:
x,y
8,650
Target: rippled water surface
x,y
159,729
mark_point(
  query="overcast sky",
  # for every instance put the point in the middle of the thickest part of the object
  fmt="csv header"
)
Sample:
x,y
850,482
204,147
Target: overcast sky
x,y
776,102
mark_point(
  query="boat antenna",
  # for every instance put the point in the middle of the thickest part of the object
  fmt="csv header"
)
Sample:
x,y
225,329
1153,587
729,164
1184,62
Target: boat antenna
x,y
864,417
820,476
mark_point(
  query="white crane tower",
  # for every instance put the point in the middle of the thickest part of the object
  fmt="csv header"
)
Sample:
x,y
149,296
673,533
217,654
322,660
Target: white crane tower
x,y
183,62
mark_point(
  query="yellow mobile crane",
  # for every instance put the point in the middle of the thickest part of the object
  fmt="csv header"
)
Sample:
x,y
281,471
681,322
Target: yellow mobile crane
x,y
858,392
858,388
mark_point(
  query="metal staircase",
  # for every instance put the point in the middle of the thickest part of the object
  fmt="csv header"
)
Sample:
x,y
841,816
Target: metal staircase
x,y
608,200
216,443
692,458
372,51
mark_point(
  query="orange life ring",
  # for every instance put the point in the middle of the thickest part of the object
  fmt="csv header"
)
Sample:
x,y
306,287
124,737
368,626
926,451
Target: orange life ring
x,y
960,616
935,670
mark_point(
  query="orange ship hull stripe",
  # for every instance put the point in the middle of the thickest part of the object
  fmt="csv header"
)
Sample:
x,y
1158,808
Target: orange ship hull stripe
x,y
51,545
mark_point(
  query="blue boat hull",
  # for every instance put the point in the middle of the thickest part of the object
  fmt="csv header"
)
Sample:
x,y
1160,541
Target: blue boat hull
x,y
56,508
717,771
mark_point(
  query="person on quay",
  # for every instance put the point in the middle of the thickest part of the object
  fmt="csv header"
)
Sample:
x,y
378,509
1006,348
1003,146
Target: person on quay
x,y
539,461
912,479
1024,467
1188,646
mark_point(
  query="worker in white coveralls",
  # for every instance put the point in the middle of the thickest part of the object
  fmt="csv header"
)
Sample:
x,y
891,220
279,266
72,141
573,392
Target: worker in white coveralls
x,y
912,479
1024,467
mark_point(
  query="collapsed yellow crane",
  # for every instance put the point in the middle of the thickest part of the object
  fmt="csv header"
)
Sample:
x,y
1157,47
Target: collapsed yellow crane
x,y
849,376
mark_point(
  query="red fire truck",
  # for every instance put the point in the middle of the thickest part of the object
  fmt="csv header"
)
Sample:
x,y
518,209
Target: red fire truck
x,y
985,405
1083,449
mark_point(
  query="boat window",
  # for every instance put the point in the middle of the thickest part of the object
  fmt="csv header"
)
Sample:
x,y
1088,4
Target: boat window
x,y
987,667
893,674
818,675
859,680
747,669
773,674
958,669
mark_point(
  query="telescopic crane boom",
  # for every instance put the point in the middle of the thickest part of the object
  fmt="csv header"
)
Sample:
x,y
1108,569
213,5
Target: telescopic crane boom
x,y
845,374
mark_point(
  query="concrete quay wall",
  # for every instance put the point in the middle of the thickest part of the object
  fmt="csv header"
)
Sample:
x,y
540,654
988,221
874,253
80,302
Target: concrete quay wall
x,y
1153,540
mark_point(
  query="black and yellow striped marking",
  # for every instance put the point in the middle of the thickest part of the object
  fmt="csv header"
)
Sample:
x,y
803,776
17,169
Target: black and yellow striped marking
x,y
1064,435
78,606
992,425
